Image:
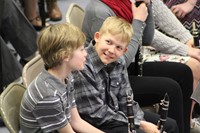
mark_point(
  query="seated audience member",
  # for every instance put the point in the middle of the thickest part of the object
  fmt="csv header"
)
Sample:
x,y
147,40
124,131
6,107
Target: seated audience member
x,y
31,10
103,85
148,90
187,11
175,41
15,28
48,104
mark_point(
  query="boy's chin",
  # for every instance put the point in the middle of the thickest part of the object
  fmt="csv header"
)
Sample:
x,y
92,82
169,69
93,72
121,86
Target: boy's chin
x,y
106,62
79,69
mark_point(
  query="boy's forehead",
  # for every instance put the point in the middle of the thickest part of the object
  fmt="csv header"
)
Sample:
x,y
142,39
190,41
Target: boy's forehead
x,y
115,37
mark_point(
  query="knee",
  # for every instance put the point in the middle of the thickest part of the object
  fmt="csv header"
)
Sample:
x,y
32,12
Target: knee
x,y
195,67
173,87
171,126
187,71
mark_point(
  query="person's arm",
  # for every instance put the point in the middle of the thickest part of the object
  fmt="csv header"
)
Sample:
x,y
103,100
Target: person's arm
x,y
149,127
78,125
145,15
168,22
194,52
81,126
169,45
66,129
143,34
136,40
149,30
180,10
59,118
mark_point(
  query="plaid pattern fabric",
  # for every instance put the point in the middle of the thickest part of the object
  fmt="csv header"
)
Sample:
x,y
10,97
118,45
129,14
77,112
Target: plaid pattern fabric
x,y
101,90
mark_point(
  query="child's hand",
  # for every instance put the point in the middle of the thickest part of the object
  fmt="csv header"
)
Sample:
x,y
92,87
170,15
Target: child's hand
x,y
140,12
149,127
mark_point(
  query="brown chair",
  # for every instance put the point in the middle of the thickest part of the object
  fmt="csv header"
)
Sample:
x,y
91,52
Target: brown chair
x,y
32,69
10,100
75,15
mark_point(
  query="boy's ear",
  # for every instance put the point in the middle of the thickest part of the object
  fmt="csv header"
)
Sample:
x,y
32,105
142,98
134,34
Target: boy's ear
x,y
96,36
65,57
126,49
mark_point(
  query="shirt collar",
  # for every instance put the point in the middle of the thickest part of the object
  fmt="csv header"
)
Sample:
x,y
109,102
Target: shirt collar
x,y
56,83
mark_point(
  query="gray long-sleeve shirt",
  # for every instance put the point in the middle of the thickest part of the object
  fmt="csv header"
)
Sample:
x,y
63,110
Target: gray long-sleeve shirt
x,y
101,92
95,14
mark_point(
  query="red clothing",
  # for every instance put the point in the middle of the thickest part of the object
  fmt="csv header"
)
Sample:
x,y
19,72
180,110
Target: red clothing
x,y
121,8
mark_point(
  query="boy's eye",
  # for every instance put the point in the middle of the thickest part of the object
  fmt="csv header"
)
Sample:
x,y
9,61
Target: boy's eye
x,y
119,48
108,41
82,48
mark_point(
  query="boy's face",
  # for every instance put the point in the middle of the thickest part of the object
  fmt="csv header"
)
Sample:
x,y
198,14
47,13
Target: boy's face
x,y
109,47
78,59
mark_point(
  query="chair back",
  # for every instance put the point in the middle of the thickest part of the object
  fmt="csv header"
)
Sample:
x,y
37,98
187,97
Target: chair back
x,y
75,15
10,100
32,69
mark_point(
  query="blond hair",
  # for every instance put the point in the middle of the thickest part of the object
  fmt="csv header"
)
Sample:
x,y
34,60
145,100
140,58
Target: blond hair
x,y
117,26
57,39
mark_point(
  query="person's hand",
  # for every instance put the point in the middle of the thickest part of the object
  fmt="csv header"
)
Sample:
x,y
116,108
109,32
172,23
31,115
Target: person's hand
x,y
180,10
194,52
149,127
140,12
190,43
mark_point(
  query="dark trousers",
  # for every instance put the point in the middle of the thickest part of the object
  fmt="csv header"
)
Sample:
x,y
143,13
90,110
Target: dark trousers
x,y
118,127
10,67
161,77
15,28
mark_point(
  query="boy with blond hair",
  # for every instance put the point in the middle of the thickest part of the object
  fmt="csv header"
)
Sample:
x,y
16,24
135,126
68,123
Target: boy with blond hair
x,y
103,85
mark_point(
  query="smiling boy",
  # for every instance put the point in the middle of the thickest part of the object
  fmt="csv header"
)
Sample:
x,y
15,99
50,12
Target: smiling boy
x,y
103,85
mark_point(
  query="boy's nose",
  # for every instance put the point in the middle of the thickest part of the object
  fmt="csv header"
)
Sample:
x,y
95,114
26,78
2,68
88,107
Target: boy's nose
x,y
111,49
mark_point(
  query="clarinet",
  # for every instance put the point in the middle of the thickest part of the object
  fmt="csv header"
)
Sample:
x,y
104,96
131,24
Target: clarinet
x,y
163,111
129,104
195,35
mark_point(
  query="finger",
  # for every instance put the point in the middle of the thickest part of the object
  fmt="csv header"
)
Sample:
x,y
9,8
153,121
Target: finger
x,y
177,12
174,9
132,1
133,7
182,15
